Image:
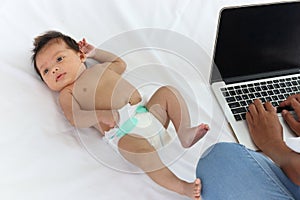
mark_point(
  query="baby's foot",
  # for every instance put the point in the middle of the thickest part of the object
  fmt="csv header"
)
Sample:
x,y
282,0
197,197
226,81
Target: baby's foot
x,y
188,137
197,189
193,190
201,130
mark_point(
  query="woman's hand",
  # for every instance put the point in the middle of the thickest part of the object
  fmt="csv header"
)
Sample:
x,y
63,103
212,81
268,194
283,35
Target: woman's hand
x,y
264,125
294,102
266,132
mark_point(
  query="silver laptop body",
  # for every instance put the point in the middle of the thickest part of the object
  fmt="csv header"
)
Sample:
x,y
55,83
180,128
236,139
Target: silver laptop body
x,y
256,55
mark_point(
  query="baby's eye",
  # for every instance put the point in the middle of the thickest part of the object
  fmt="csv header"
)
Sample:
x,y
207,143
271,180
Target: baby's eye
x,y
59,59
46,71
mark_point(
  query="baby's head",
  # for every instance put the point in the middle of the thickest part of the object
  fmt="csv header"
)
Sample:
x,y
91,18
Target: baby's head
x,y
57,57
42,40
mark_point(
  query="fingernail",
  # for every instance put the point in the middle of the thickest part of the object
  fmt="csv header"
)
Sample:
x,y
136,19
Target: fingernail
x,y
284,112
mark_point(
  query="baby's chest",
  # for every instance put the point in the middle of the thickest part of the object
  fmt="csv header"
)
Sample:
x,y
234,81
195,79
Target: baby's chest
x,y
93,90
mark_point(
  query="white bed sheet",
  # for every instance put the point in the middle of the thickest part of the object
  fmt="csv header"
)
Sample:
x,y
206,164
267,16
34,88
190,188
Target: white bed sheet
x,y
42,155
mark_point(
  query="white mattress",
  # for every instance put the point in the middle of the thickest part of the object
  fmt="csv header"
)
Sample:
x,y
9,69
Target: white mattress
x,y
162,41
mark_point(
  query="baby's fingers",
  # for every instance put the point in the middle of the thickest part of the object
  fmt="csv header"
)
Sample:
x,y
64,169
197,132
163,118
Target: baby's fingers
x,y
82,42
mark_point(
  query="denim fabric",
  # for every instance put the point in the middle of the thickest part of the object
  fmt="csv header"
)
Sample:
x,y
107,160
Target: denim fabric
x,y
231,171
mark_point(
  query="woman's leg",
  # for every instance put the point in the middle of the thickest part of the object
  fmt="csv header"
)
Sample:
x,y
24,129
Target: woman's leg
x,y
230,171
168,104
141,153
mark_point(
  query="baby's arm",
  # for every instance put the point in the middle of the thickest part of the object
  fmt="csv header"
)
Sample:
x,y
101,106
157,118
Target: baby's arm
x,y
105,119
114,62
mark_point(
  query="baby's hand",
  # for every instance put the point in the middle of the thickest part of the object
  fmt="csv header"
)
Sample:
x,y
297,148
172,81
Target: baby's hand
x,y
135,98
86,48
108,117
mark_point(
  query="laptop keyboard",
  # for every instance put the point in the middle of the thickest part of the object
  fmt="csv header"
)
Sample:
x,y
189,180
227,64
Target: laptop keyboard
x,y
275,91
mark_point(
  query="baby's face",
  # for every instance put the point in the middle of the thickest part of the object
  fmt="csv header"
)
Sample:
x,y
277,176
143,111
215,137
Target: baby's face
x,y
59,65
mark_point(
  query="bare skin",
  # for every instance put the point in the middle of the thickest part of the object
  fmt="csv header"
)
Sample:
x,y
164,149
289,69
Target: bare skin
x,y
138,151
91,97
267,133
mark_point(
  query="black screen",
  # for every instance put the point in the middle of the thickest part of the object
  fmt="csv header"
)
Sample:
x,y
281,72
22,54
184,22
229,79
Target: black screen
x,y
253,40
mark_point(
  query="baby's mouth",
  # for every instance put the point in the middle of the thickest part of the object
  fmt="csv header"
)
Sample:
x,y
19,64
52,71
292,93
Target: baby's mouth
x,y
60,76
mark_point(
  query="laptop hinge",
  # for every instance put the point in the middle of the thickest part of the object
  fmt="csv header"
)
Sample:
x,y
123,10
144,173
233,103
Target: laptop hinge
x,y
261,76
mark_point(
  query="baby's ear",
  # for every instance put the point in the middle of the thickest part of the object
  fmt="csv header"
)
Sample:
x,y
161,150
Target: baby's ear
x,y
82,56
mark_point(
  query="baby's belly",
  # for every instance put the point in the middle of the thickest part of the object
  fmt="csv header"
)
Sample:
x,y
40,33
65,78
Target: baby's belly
x,y
92,99
109,92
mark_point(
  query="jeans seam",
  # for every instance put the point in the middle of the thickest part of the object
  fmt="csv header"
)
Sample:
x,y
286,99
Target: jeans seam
x,y
275,182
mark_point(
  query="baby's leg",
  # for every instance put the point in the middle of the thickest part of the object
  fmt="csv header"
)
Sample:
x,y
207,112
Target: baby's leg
x,y
141,153
168,104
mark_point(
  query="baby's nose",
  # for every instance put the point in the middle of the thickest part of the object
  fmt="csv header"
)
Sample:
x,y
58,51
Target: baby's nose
x,y
55,69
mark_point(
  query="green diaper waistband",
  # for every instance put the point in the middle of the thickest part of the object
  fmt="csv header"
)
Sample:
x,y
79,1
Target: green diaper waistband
x,y
131,123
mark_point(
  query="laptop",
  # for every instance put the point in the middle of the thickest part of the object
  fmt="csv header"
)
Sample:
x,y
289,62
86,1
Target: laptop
x,y
256,55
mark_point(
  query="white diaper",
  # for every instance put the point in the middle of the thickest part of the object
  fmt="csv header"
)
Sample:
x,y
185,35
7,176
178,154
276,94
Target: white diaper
x,y
138,120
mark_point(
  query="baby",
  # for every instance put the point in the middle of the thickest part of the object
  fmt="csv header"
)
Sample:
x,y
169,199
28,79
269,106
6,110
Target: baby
x,y
95,96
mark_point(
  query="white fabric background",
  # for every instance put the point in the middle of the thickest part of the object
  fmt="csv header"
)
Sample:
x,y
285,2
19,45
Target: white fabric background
x,y
42,156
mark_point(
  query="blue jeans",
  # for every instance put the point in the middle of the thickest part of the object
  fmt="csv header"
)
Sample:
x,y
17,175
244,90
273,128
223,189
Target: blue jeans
x,y
231,171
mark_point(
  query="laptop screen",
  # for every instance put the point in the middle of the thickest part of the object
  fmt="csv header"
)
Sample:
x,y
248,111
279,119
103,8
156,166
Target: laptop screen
x,y
257,41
